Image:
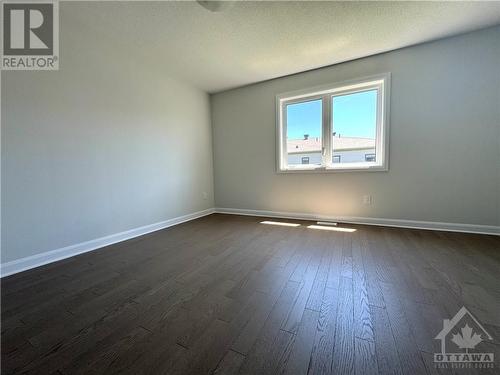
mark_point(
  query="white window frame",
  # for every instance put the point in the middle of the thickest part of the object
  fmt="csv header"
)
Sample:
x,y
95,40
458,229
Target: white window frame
x,y
380,82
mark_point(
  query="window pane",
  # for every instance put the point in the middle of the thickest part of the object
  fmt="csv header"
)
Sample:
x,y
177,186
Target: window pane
x,y
354,127
303,133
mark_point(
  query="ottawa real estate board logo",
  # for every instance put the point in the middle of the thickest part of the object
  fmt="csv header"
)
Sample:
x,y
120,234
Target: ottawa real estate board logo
x,y
461,339
30,35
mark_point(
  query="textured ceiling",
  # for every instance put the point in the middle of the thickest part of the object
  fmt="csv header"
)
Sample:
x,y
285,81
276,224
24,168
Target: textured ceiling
x,y
254,41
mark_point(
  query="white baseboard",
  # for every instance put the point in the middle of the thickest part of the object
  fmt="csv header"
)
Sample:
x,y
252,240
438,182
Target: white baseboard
x,y
37,260
400,223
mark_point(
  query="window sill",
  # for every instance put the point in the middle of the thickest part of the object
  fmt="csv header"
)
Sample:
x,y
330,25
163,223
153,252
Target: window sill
x,y
371,168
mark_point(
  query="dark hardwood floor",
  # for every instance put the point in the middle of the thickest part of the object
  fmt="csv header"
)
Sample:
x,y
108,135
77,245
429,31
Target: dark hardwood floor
x,y
225,294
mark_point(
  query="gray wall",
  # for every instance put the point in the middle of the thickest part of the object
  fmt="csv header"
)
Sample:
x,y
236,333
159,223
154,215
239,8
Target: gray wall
x,y
99,147
444,139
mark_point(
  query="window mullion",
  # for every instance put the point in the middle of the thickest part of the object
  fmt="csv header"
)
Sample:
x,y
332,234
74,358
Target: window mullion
x,y
327,131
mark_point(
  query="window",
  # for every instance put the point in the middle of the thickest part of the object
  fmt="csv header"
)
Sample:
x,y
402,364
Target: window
x,y
340,127
370,157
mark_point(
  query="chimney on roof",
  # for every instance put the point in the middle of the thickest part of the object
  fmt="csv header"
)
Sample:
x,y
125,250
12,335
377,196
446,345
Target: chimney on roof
x,y
306,136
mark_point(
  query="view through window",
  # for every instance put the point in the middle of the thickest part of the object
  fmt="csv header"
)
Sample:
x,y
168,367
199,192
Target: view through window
x,y
354,126
304,127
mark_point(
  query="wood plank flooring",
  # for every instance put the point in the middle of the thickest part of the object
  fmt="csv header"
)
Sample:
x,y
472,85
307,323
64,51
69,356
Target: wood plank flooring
x,y
225,294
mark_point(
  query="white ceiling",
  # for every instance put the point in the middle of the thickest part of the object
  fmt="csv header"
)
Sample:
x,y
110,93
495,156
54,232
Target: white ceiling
x,y
255,41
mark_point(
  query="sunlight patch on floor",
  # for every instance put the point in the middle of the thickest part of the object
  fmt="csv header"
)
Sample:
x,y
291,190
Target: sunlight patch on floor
x,y
284,224
335,229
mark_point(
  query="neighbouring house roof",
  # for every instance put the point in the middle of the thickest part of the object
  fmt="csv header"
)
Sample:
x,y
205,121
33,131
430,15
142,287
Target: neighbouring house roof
x,y
313,144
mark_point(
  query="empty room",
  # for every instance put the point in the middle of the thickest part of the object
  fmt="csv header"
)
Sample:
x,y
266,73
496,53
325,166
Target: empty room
x,y
250,187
